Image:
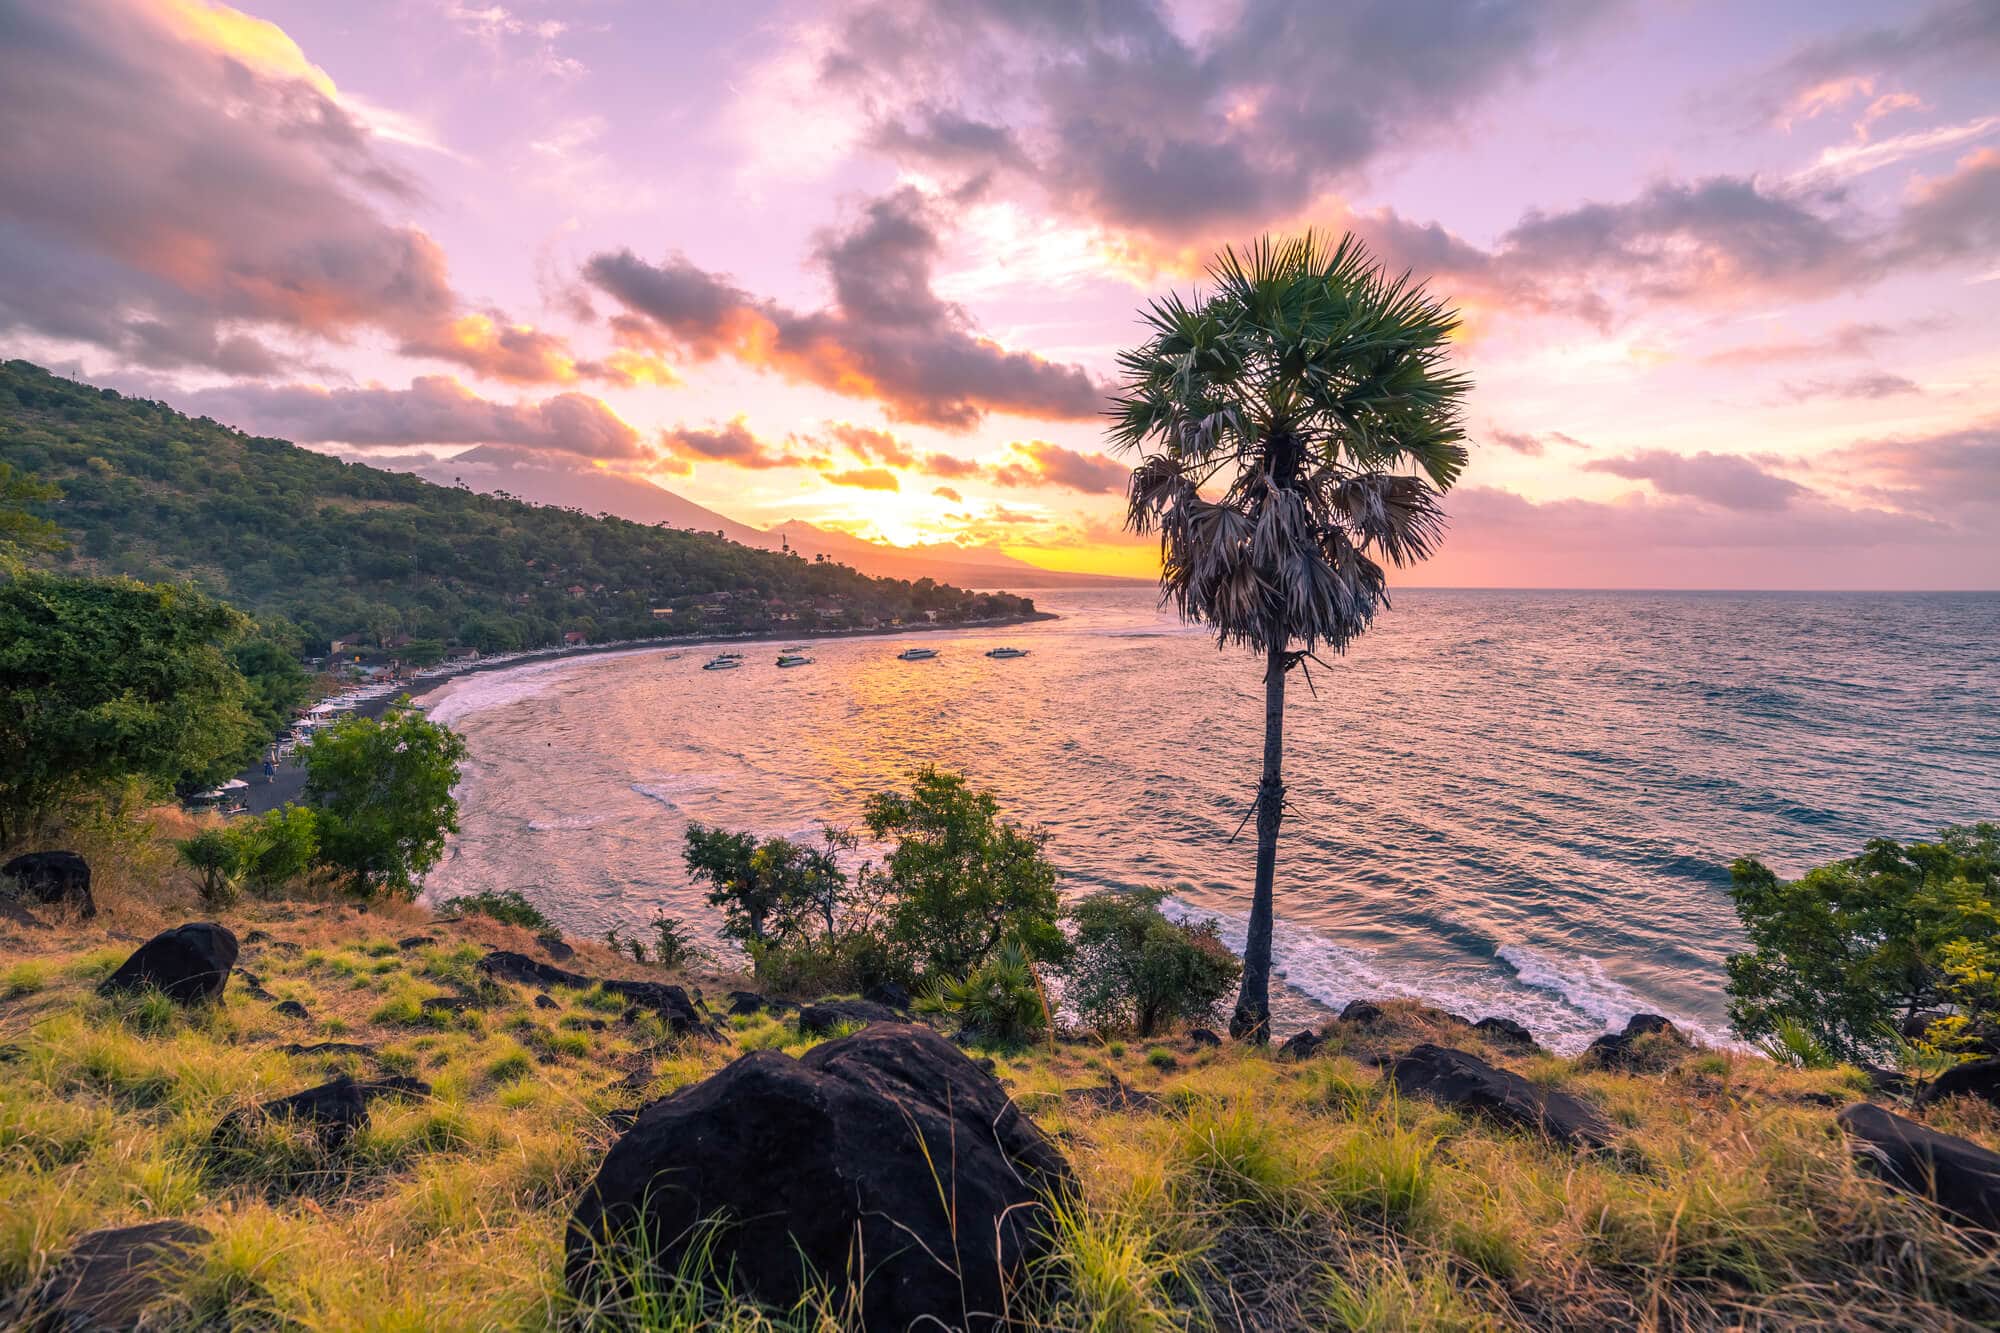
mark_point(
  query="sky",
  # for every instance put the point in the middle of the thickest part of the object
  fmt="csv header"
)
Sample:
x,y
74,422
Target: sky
x,y
1727,273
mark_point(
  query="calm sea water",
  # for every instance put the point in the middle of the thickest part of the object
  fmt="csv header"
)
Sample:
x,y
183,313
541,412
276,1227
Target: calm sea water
x,y
1504,802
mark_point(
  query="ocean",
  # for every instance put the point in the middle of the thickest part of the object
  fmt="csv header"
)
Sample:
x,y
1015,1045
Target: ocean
x,y
1518,803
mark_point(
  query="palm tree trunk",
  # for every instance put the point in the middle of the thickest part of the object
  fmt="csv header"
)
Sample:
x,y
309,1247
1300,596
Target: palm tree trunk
x,y
1252,1019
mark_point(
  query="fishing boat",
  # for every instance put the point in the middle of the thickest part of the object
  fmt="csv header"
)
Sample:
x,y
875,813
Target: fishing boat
x,y
725,663
793,659
916,654
672,657
1006,652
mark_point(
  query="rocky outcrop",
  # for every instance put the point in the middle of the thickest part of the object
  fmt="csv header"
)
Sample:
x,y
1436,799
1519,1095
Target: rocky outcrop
x,y
884,1162
1974,1078
334,1111
1956,1174
817,1020
1205,1038
189,963
682,1015
1361,1011
1301,1045
1505,1032
111,1279
53,878
1649,1042
1464,1082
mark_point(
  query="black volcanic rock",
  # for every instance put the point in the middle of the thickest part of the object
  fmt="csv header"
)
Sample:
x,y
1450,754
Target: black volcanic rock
x,y
1505,1031
681,1014
1204,1037
1956,1174
1301,1045
816,1020
110,1279
189,963
888,994
333,1111
53,878
1464,1082
1361,1011
888,1149
1629,1050
1974,1078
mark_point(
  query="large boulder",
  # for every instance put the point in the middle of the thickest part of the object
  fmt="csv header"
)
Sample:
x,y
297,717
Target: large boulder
x,y
1361,1011
189,963
332,1112
1974,1078
817,1020
1464,1082
682,1015
56,878
1506,1032
884,1161
1301,1045
889,994
1956,1174
110,1279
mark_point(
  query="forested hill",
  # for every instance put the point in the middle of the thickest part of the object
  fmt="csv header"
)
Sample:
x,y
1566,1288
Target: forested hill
x,y
341,549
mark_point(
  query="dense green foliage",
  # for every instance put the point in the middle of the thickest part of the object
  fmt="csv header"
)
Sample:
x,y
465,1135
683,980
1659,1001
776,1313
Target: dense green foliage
x,y
102,679
383,792
961,879
1134,968
1000,1002
341,549
264,853
22,531
1850,951
506,906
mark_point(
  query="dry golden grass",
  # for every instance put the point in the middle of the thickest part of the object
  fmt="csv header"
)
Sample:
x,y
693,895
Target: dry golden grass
x,y
1228,1189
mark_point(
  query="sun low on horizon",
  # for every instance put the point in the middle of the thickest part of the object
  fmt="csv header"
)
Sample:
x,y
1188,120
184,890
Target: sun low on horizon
x,y
1724,275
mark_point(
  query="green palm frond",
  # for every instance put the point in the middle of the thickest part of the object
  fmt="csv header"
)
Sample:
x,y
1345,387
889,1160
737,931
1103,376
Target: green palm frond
x,y
1315,388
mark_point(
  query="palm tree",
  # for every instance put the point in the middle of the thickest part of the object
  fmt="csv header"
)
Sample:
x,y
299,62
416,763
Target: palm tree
x,y
1313,388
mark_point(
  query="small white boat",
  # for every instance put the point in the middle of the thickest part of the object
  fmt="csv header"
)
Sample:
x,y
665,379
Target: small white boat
x,y
672,657
722,664
793,659
1006,652
916,654
729,657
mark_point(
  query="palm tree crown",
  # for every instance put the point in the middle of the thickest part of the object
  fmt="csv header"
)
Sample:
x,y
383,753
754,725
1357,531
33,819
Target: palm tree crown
x,y
1315,386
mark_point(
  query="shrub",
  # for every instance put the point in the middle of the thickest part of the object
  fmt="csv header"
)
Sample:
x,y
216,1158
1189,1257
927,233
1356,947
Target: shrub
x,y
211,854
1132,967
506,906
1001,1001
1851,948
275,848
382,788
773,889
675,943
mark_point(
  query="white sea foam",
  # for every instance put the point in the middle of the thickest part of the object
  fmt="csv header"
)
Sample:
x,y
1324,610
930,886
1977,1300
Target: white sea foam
x,y
1564,1020
484,690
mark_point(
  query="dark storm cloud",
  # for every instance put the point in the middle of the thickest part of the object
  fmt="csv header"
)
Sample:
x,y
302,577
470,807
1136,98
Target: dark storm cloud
x,y
1727,481
887,336
1125,120
435,409
733,443
169,202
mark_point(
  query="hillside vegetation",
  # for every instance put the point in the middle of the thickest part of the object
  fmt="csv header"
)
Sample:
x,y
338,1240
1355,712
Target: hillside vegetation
x,y
343,549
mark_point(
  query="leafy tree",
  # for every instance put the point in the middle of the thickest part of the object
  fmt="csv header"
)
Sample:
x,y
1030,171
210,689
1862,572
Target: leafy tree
x,y
1312,388
278,683
1132,967
1851,949
961,879
506,906
383,790
769,890
102,679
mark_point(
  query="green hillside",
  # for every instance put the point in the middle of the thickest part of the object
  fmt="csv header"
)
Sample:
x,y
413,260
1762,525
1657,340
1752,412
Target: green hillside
x,y
343,549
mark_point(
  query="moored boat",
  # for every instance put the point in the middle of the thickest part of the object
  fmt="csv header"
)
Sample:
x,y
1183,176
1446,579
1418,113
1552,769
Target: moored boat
x,y
1006,652
916,654
724,663
793,659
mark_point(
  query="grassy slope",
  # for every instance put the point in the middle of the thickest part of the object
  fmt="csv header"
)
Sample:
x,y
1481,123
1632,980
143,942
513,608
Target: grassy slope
x,y
1248,1193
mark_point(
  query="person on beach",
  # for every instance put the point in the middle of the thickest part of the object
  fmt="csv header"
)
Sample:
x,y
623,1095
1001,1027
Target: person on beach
x,y
270,770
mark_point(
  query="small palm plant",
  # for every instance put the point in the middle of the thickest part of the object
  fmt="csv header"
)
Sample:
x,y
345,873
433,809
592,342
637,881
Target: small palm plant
x,y
1312,389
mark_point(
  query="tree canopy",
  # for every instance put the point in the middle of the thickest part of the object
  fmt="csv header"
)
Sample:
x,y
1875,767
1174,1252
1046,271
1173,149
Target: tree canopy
x,y
382,790
102,679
